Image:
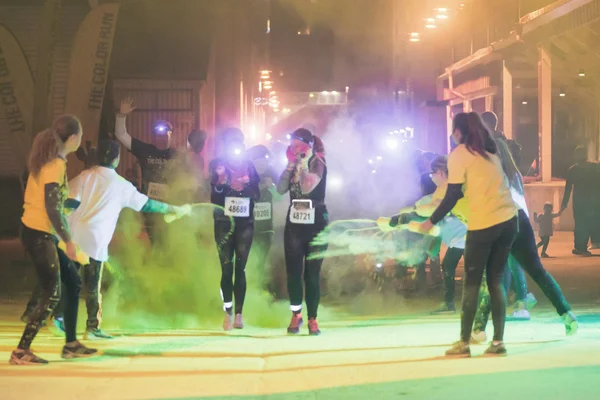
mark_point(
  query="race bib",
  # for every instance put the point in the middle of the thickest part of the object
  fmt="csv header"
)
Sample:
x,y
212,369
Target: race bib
x,y
237,206
302,216
262,211
158,191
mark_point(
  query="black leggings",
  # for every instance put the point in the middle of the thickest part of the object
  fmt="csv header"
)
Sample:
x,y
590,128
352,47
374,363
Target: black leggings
x,y
524,251
449,264
230,243
298,247
92,281
486,251
52,267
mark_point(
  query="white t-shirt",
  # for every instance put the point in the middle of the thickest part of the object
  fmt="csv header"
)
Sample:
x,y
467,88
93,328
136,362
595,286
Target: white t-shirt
x,y
103,194
519,200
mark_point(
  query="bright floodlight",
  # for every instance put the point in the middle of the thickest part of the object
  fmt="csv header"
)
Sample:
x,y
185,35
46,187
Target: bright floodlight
x,y
391,143
379,265
237,152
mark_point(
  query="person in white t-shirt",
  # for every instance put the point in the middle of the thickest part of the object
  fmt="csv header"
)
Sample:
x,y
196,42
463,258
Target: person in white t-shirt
x,y
98,195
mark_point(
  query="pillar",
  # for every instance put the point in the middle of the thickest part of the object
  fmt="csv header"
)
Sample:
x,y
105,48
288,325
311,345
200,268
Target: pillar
x,y
489,103
467,106
507,101
448,127
545,113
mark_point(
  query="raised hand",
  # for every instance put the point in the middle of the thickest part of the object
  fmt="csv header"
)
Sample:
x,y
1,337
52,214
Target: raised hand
x,y
126,106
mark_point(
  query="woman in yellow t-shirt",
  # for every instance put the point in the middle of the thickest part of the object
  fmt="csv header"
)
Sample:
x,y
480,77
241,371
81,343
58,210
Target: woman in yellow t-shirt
x,y
475,169
43,224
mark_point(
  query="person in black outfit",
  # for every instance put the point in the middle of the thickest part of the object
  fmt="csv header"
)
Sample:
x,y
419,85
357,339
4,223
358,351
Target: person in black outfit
x,y
263,209
490,120
153,159
306,179
234,188
581,181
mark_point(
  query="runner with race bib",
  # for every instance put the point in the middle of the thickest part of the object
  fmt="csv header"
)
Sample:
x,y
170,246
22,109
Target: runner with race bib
x,y
234,187
305,178
263,209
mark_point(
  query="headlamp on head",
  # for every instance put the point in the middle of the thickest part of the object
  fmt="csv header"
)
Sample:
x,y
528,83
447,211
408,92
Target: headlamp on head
x,y
162,128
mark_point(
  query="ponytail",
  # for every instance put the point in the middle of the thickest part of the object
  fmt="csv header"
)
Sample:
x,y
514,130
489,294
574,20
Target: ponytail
x,y
49,143
45,148
318,146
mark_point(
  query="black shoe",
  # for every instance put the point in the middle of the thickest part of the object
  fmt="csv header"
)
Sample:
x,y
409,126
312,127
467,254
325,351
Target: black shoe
x,y
459,349
495,350
25,357
583,253
444,309
77,351
545,255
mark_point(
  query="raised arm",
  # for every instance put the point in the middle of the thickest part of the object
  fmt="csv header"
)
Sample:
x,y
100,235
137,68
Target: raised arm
x,y
120,128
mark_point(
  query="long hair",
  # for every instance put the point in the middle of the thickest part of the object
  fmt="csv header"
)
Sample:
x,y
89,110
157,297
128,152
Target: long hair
x,y
49,143
475,135
515,179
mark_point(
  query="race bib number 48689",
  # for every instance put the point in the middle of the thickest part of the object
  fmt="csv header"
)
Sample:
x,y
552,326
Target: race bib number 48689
x,y
237,207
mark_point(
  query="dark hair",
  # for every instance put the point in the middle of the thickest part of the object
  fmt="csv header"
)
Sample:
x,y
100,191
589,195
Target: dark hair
x,y
48,144
108,152
475,135
548,205
490,120
304,135
515,179
440,164
197,139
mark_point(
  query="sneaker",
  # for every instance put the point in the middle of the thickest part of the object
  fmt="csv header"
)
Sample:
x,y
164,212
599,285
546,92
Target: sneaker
x,y
77,351
25,357
459,349
96,333
571,324
295,324
444,309
544,255
313,327
495,350
582,253
227,323
530,301
519,315
237,323
56,326
478,337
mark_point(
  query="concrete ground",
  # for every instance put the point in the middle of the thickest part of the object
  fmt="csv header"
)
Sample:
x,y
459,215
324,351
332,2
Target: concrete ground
x,y
399,356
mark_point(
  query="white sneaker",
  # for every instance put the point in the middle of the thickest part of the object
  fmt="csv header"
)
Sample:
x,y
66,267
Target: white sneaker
x,y
520,315
478,337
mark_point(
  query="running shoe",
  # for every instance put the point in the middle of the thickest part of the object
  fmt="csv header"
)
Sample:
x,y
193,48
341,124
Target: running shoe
x,y
495,350
478,337
571,324
25,357
459,349
313,327
77,351
238,323
96,333
295,324
519,315
444,309
544,255
530,301
227,322
582,253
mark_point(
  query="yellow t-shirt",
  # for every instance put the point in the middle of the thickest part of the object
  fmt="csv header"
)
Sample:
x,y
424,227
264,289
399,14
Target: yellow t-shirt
x,y
460,210
35,216
485,187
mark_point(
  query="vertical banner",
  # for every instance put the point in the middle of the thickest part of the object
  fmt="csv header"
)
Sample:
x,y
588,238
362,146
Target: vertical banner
x,y
88,68
16,94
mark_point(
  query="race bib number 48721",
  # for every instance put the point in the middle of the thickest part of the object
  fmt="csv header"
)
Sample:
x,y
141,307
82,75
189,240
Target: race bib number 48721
x,y
302,216
158,191
262,211
237,207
